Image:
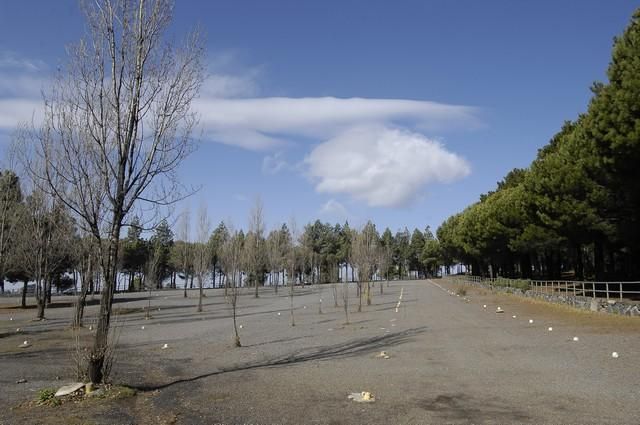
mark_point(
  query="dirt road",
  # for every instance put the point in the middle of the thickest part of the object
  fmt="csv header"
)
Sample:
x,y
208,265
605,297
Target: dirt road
x,y
450,361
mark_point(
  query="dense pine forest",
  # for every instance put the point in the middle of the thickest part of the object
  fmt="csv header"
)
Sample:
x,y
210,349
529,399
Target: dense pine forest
x,y
573,213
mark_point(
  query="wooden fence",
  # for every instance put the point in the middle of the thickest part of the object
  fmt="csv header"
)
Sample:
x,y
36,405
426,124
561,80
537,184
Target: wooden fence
x,y
608,290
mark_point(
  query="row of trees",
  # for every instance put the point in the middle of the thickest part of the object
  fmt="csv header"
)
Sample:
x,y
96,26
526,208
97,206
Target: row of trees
x,y
574,211
324,253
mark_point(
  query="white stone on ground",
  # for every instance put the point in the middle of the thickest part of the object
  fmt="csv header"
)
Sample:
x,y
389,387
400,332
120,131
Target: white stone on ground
x,y
614,355
362,397
69,389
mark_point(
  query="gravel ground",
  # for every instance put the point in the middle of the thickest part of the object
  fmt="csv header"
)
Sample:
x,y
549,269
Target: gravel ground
x,y
451,361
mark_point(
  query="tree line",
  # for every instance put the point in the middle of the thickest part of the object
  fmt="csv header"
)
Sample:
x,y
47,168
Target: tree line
x,y
40,242
574,212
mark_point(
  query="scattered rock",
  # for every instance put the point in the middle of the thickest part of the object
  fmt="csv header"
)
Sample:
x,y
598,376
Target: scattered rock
x,y
240,326
594,305
576,339
165,346
24,344
611,302
362,397
21,381
11,319
484,306
96,393
550,329
18,330
514,316
499,310
69,389
530,320
278,313
142,327
614,355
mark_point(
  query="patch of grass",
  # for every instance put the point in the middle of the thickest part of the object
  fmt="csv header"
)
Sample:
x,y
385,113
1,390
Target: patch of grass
x,y
119,392
47,397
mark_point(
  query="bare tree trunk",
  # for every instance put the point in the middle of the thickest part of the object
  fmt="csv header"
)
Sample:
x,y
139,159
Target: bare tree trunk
x,y
200,294
24,293
82,296
368,292
255,277
48,284
95,370
291,286
236,339
41,295
345,300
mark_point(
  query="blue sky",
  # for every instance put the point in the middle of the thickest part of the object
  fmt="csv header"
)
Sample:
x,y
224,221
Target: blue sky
x,y
400,112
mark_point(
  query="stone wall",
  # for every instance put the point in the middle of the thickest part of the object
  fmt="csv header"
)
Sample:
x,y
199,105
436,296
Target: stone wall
x,y
621,307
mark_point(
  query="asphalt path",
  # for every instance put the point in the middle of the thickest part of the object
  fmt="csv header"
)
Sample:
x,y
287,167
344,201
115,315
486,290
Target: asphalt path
x,y
451,360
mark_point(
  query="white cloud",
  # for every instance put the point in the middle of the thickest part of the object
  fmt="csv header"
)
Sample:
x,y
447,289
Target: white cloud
x,y
15,111
382,166
272,164
265,123
11,60
334,209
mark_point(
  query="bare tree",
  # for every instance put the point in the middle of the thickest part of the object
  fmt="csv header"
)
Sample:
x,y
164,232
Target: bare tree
x,y
201,252
117,125
85,251
366,256
255,244
184,249
231,260
44,243
293,259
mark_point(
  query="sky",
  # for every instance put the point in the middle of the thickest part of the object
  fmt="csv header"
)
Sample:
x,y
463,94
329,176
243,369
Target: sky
x,y
400,112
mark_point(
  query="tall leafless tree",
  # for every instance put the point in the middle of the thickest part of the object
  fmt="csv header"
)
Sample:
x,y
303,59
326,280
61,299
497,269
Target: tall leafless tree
x,y
117,124
366,255
184,248
293,260
231,260
255,248
201,251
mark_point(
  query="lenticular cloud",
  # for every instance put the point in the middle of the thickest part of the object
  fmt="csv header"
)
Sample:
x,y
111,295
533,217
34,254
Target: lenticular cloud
x,y
382,166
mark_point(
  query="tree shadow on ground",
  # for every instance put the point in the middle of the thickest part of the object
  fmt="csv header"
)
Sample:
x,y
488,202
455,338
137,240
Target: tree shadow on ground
x,y
339,351
463,407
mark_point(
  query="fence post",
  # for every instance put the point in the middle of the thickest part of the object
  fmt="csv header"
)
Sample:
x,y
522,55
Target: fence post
x,y
607,286
583,293
620,290
574,289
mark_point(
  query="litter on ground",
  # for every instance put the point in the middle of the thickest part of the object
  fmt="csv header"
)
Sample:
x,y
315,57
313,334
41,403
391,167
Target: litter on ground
x,y
362,397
